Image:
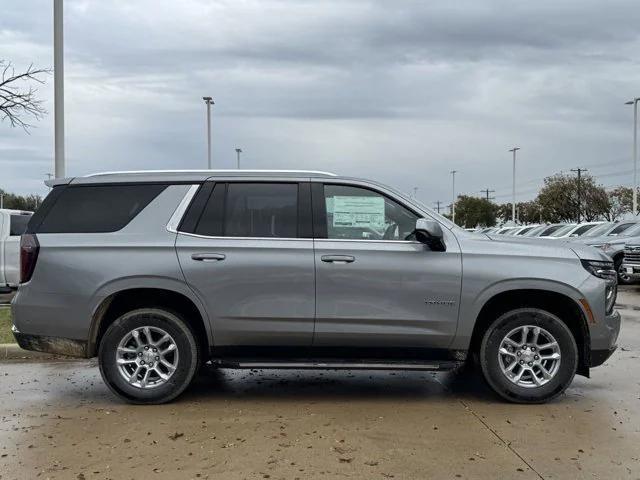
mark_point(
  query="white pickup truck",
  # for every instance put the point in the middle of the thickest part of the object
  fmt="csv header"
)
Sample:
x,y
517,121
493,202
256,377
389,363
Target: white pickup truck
x,y
12,224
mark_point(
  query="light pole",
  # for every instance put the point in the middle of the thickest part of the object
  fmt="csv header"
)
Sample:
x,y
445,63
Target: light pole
x,y
634,102
415,192
513,205
238,152
453,199
209,101
58,89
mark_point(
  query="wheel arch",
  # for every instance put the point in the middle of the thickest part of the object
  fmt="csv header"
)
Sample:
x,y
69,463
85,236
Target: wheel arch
x,y
570,311
117,301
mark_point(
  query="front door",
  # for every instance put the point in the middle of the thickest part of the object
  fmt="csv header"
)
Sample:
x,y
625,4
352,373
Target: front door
x,y
247,259
375,285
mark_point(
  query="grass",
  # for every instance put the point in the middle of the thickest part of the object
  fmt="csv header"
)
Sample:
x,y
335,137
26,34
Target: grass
x,y
5,326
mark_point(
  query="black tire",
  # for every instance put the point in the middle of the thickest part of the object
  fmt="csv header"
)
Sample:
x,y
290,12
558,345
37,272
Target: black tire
x,y
492,371
185,342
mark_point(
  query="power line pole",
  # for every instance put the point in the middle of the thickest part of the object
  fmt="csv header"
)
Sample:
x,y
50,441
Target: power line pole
x,y
58,89
634,102
486,191
453,199
238,152
513,206
209,101
415,192
579,171
438,202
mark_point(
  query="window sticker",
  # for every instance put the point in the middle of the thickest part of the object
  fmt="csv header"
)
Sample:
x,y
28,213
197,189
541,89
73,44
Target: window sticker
x,y
349,211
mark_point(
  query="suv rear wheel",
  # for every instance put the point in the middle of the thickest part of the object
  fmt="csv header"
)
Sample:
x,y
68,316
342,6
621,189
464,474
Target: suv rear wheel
x,y
528,355
148,356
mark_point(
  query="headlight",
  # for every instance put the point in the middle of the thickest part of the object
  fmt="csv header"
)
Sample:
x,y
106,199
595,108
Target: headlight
x,y
606,271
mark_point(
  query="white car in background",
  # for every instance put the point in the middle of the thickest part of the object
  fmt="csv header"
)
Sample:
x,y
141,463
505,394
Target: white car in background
x,y
13,223
573,230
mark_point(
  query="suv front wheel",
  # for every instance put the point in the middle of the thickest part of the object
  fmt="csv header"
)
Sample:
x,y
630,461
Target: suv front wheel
x,y
148,356
528,355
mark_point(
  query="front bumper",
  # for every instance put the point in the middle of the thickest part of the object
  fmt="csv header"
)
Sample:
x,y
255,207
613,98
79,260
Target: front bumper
x,y
604,341
631,269
53,345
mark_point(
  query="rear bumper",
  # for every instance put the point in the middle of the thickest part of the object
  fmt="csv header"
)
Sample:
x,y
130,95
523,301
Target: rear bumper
x,y
54,345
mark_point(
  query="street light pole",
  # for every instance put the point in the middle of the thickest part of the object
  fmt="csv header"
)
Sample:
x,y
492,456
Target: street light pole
x,y
209,101
238,152
513,205
453,199
58,89
415,192
634,102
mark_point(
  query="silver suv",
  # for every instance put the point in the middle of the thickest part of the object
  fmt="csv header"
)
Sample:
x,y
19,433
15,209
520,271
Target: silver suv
x,y
156,273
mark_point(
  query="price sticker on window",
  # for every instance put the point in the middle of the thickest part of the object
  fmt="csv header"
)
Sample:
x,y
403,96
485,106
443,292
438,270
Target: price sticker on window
x,y
364,212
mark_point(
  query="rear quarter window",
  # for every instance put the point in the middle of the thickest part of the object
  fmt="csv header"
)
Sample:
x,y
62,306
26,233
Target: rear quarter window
x,y
97,208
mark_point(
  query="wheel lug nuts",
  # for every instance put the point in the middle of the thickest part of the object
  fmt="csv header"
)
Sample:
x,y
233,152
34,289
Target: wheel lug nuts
x,y
533,349
146,348
157,358
141,362
519,353
155,349
521,362
537,357
530,364
140,354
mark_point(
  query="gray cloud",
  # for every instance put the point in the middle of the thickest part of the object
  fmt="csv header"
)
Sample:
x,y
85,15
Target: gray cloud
x,y
399,91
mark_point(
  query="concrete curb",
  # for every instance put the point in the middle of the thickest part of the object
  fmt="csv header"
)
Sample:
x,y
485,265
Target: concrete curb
x,y
11,351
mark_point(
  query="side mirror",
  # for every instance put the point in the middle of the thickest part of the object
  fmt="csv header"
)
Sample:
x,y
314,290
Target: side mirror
x,y
430,233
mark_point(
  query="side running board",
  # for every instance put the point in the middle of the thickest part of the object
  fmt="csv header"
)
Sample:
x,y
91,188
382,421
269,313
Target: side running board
x,y
335,364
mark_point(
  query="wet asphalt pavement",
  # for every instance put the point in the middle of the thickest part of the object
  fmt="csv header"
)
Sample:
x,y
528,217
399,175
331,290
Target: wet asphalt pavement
x,y
59,421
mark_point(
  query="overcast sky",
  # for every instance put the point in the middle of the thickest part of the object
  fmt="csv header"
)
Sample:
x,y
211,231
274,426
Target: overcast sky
x,y
401,92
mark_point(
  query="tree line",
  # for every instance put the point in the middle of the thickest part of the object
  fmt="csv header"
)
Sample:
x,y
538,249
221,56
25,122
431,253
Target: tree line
x,y
561,199
19,202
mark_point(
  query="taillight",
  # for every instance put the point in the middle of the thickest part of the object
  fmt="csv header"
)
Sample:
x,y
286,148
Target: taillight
x,y
29,249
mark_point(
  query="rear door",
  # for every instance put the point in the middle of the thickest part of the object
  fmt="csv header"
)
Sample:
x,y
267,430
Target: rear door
x,y
375,285
246,249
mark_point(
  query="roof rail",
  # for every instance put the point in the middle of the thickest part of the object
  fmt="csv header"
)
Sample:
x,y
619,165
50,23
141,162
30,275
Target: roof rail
x,y
133,172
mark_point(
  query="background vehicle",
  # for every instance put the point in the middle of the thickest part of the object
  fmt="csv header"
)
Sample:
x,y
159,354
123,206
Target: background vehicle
x,y
289,269
630,267
12,224
613,244
544,230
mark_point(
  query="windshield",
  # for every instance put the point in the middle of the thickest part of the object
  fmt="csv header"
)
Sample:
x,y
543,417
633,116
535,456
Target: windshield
x,y
535,231
550,229
623,227
632,230
599,230
563,230
525,230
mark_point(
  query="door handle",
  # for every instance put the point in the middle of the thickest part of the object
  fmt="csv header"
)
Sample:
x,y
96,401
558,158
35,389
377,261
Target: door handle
x,y
208,257
338,258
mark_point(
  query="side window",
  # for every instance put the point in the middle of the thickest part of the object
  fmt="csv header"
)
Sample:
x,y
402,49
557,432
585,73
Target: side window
x,y
96,208
355,213
251,210
18,224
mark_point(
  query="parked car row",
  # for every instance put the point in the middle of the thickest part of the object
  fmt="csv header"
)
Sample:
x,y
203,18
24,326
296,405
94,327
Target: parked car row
x,y
610,237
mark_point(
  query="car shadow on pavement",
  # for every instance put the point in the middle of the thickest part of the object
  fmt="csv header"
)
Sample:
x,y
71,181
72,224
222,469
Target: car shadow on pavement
x,y
336,385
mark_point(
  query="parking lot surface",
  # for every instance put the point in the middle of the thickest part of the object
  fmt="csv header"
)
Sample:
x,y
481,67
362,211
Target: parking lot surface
x,y
59,421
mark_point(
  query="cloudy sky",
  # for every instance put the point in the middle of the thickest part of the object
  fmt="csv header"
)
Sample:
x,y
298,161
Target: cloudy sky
x,y
401,92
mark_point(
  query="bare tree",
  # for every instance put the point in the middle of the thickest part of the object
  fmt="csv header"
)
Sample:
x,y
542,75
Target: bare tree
x,y
18,100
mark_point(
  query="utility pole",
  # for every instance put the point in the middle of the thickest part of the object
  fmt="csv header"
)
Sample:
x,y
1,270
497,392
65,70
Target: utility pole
x,y
453,199
634,102
438,202
513,206
238,152
58,89
209,101
1,201
415,192
579,172
486,191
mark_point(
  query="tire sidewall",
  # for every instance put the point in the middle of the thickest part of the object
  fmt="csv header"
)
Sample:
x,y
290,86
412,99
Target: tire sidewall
x,y
174,325
535,317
